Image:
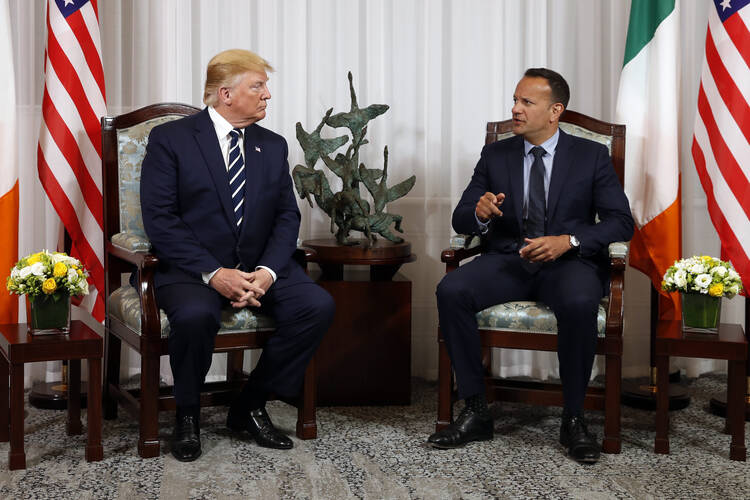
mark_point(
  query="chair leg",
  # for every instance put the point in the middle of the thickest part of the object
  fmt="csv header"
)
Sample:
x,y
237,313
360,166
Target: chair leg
x,y
307,427
445,388
148,440
112,347
235,359
612,417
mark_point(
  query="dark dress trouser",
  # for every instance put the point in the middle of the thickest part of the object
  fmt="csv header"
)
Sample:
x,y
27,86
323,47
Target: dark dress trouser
x,y
571,287
302,312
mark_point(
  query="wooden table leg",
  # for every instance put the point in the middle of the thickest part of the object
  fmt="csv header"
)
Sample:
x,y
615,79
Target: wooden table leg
x,y
94,451
16,455
736,409
74,397
4,393
661,442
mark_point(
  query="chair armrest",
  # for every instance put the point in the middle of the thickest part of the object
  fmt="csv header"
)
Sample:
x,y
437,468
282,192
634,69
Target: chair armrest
x,y
618,253
130,241
146,264
462,247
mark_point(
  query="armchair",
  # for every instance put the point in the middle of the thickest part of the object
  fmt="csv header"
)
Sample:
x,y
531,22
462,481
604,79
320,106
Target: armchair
x,y
532,325
134,317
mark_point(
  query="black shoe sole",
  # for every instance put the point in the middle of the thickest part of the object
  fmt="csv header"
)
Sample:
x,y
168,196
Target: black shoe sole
x,y
188,459
243,430
567,453
461,445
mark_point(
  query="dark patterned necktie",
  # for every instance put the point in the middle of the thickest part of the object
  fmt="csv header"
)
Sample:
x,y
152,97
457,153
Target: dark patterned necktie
x,y
236,173
536,207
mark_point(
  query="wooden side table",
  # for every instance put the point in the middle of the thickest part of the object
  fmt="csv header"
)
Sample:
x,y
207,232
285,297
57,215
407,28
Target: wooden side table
x,y
365,357
18,347
730,344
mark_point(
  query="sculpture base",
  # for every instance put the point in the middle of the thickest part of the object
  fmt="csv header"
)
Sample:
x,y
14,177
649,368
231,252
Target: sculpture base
x,y
384,257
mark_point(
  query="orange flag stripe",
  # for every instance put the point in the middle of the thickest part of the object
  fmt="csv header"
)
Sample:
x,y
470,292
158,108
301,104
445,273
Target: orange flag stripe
x,y
654,248
8,252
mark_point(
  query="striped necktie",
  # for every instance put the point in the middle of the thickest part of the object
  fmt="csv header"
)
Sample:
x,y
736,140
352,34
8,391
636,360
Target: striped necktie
x,y
535,222
236,173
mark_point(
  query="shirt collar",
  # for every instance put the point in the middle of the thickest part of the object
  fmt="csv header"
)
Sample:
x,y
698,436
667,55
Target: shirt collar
x,y
222,126
549,145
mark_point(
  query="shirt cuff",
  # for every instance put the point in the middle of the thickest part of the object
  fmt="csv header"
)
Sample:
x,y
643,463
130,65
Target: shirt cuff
x,y
483,226
207,276
270,271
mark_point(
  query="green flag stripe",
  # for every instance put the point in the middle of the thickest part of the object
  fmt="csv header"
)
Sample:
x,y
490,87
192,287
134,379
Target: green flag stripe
x,y
645,17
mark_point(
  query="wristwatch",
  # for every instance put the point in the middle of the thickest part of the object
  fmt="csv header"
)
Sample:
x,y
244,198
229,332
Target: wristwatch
x,y
574,243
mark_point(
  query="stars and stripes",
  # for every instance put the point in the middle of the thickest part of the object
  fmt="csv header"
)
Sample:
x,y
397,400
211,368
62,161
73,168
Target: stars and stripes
x,y
236,172
721,140
69,150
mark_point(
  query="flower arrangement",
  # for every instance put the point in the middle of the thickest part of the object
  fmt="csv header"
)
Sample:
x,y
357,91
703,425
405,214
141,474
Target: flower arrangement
x,y
702,275
44,274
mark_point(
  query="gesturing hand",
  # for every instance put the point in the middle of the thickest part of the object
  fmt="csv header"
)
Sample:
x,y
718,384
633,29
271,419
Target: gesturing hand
x,y
545,248
238,286
487,206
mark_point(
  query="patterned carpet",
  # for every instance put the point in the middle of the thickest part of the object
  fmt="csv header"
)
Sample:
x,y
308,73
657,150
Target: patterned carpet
x,y
369,452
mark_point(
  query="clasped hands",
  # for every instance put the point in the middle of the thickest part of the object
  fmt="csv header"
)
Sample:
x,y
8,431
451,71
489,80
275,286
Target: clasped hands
x,y
541,249
241,288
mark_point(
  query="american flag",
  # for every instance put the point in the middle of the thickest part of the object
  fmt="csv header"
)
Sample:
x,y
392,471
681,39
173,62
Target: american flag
x,y
69,152
721,140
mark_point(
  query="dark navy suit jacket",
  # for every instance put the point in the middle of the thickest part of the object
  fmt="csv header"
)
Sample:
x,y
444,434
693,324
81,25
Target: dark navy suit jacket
x,y
583,184
187,208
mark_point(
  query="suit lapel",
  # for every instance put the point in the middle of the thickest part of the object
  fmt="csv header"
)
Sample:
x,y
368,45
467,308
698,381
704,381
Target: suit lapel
x,y
514,161
560,168
254,171
205,135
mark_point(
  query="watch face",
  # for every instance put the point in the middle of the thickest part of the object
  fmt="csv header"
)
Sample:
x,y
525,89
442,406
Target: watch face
x,y
574,242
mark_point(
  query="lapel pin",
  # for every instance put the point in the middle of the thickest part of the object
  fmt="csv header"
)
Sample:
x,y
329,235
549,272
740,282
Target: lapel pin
x,y
257,148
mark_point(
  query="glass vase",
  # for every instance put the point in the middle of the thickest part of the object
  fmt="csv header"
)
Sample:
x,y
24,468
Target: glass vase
x,y
700,313
48,314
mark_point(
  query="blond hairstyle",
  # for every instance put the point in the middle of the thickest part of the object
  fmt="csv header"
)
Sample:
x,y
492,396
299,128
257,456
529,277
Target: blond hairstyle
x,y
226,67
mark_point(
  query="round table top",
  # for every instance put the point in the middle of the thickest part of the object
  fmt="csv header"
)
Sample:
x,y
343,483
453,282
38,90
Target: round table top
x,y
382,252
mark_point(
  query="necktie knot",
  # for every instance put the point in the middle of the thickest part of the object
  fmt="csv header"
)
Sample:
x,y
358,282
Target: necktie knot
x,y
538,152
235,134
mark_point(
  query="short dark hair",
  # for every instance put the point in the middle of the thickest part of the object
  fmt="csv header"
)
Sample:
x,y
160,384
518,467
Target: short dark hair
x,y
560,89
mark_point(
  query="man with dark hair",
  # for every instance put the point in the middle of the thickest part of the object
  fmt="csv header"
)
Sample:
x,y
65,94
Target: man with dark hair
x,y
219,209
534,198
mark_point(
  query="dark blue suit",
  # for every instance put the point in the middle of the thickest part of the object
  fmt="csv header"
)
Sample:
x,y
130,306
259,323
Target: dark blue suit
x,y
582,184
187,214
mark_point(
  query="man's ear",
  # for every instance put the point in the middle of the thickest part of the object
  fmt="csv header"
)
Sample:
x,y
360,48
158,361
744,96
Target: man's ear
x,y
557,110
225,95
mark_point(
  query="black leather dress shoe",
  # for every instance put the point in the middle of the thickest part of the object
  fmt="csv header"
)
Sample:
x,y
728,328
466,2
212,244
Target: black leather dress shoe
x,y
259,425
468,427
186,438
582,446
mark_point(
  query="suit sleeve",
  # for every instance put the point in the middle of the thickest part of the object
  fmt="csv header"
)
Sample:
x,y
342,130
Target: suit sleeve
x,y
282,241
612,207
171,238
464,216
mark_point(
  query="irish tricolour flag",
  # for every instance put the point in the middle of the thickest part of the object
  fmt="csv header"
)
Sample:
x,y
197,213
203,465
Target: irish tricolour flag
x,y
8,169
647,104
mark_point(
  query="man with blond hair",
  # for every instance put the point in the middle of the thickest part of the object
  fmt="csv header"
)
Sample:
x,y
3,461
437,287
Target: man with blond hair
x,y
219,209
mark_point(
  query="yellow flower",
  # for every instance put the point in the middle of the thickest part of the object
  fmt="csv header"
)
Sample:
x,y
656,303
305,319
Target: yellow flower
x,y
60,270
716,290
706,258
33,259
80,273
49,286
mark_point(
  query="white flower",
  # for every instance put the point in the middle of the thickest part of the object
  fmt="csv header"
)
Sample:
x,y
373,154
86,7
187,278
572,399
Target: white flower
x,y
719,270
37,269
733,275
680,278
703,280
72,275
697,268
15,273
732,289
84,287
